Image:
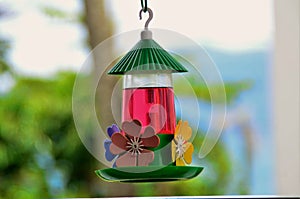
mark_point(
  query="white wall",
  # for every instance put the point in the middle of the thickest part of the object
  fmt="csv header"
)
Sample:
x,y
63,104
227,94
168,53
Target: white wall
x,y
286,96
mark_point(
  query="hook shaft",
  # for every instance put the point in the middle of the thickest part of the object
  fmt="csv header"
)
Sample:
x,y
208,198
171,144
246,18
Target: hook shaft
x,y
150,17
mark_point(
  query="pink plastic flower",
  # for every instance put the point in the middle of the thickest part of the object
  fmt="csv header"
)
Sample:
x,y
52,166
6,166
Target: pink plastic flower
x,y
132,145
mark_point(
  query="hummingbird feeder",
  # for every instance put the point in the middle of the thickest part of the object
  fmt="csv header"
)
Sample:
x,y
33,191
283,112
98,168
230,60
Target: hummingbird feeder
x,y
149,146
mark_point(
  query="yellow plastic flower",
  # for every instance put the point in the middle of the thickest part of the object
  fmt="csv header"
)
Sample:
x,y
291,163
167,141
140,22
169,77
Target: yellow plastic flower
x,y
182,150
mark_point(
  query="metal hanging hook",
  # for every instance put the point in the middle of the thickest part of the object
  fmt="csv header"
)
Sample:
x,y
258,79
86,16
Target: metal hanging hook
x,y
150,17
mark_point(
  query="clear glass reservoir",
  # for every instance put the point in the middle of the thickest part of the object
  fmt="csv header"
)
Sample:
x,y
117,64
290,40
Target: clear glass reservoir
x,y
149,98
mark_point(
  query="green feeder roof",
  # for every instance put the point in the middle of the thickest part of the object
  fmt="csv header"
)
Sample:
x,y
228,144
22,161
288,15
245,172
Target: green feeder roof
x,y
147,55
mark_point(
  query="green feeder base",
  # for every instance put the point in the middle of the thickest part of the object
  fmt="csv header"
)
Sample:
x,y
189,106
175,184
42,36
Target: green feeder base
x,y
149,173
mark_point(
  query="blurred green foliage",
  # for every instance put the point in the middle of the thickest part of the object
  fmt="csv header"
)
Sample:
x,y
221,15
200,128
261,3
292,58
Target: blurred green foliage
x,y
38,141
62,15
54,12
41,155
4,46
202,90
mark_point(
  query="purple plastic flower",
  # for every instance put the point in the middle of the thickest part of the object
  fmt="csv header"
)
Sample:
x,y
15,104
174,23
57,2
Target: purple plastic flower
x,y
110,131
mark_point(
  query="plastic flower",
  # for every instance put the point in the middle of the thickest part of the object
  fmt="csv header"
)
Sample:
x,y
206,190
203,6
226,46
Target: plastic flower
x,y
182,150
131,145
110,131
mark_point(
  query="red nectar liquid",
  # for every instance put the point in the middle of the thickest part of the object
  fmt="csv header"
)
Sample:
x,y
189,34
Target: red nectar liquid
x,y
151,106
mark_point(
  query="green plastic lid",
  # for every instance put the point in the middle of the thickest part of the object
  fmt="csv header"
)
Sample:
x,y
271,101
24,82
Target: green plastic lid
x,y
147,55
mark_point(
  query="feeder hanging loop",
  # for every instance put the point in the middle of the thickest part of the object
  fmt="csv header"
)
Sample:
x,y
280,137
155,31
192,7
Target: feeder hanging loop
x,y
144,5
